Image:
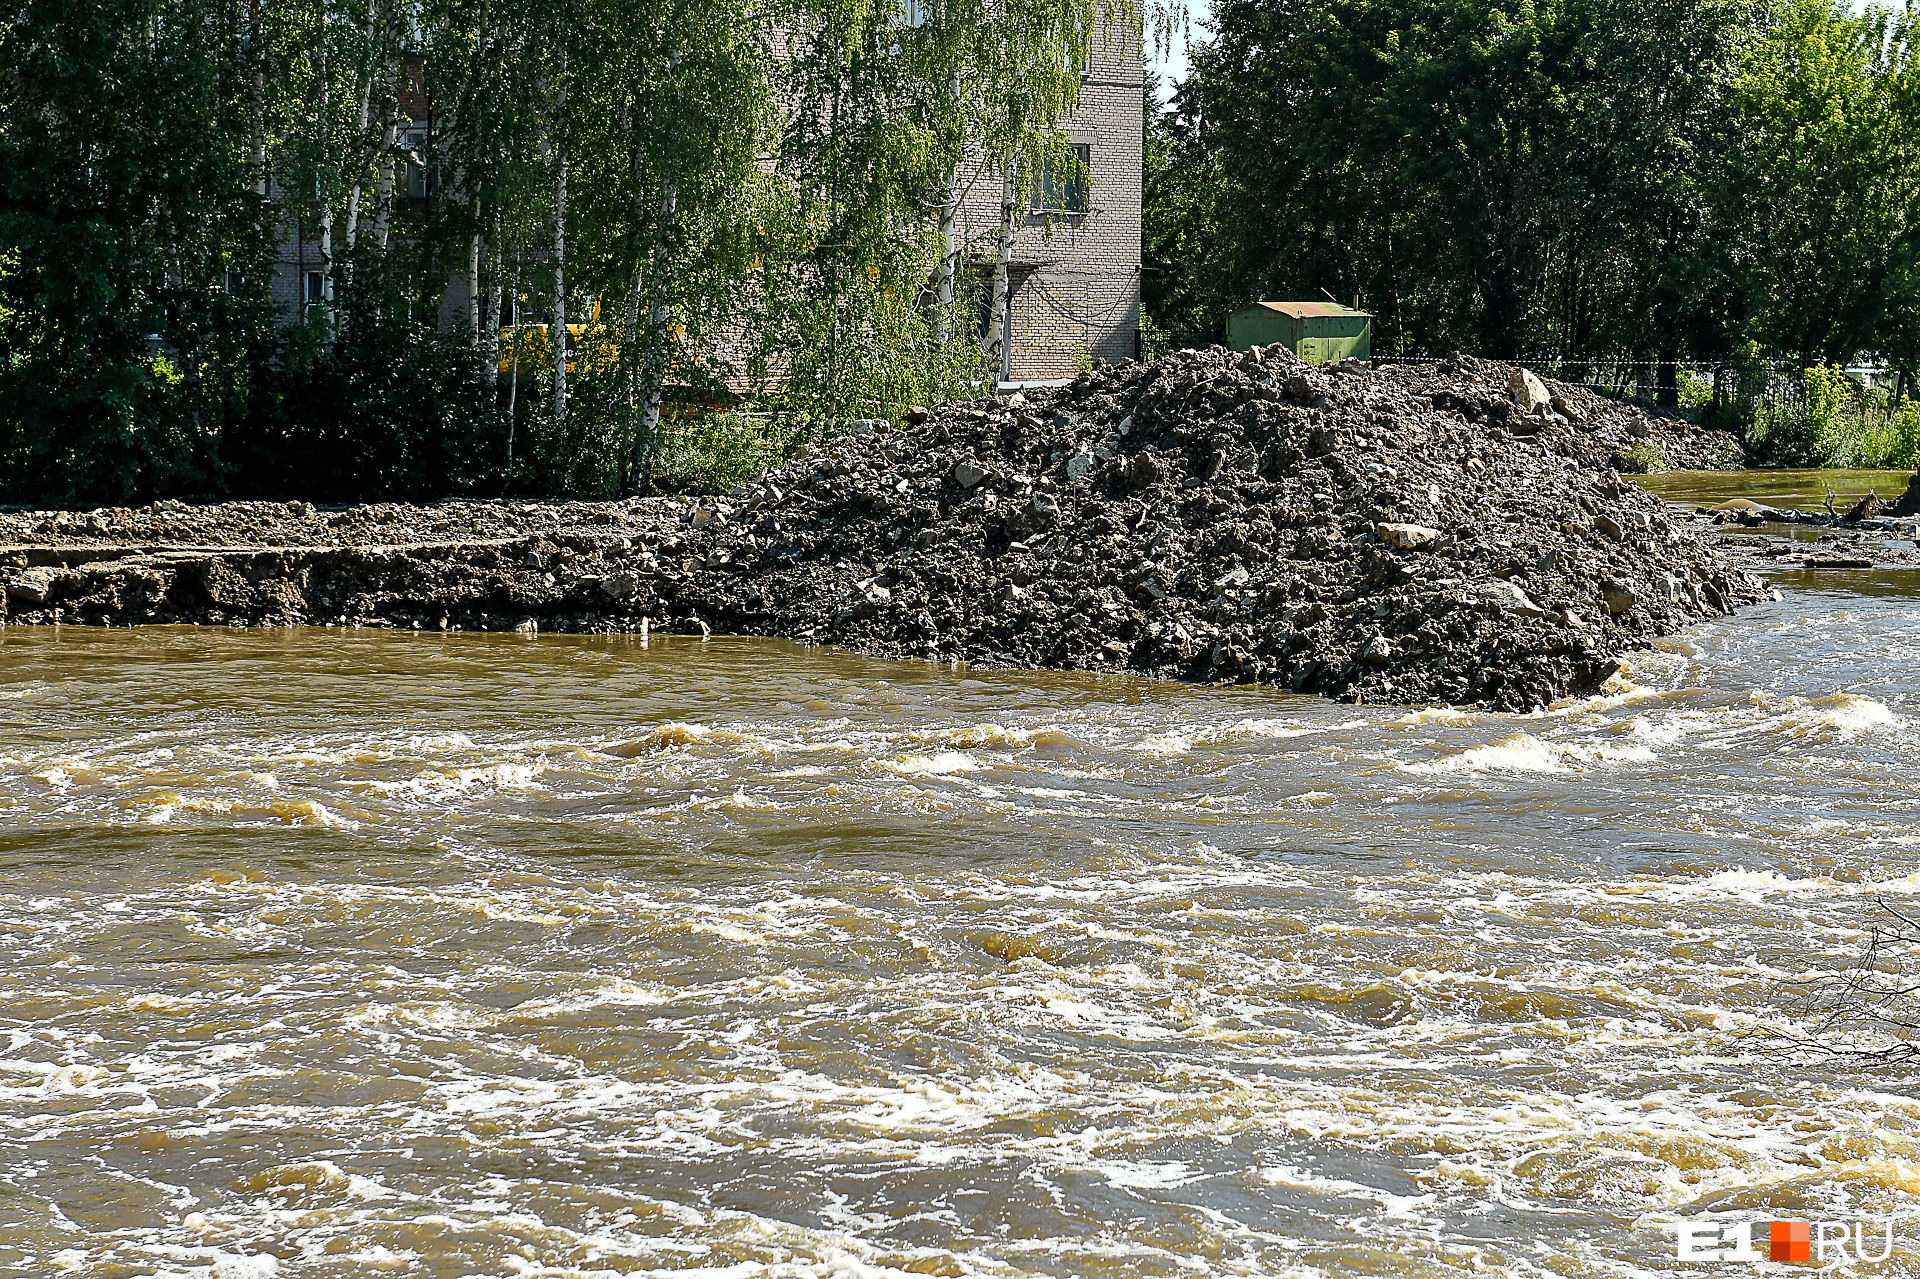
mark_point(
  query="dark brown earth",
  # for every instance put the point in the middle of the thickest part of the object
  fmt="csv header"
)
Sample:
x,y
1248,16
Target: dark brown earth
x,y
1408,535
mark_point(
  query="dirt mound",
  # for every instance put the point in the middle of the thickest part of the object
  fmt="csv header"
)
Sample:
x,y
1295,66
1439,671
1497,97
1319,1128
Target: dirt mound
x,y
1454,532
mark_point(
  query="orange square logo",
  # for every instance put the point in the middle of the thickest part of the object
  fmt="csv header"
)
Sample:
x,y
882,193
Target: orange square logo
x,y
1792,1241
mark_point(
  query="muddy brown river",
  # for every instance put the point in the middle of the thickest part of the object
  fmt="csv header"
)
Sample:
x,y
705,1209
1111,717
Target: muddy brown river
x,y
350,954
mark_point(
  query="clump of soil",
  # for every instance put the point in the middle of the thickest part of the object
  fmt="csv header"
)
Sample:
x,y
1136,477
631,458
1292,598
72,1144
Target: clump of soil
x,y
1454,532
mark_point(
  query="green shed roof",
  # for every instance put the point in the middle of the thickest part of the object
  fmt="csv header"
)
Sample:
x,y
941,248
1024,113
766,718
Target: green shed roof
x,y
1310,310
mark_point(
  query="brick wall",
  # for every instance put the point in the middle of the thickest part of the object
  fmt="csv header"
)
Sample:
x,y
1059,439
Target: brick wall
x,y
1076,277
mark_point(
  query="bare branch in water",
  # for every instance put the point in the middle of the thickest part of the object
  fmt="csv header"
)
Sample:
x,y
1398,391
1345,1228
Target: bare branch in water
x,y
1869,1012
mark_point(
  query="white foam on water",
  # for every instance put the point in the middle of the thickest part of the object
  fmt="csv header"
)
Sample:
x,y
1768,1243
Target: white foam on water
x,y
440,743
1846,715
1525,753
1530,1005
978,736
1394,1205
1446,716
1276,729
939,764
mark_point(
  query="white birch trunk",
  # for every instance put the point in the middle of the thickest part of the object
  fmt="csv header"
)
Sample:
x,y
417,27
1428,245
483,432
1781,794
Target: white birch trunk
x,y
359,139
383,177
326,262
473,289
653,374
493,323
653,371
513,386
560,269
257,95
325,197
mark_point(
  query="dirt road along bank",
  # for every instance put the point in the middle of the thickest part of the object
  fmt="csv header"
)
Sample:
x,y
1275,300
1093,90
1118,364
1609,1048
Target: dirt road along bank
x,y
1454,532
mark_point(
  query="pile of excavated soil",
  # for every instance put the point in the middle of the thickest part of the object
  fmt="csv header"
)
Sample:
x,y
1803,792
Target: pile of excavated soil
x,y
1441,533
301,524
1455,532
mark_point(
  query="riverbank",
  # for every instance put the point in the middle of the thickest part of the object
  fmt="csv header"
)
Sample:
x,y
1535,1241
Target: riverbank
x,y
1456,532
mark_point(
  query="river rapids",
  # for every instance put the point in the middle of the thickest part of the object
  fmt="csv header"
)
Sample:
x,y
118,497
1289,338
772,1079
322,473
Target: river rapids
x,y
362,953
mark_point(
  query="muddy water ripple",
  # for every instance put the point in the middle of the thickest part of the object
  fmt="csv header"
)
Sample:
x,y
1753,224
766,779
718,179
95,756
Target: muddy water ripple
x,y
347,954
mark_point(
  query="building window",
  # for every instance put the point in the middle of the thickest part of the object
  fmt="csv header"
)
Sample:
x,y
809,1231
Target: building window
x,y
1065,180
316,287
423,180
912,13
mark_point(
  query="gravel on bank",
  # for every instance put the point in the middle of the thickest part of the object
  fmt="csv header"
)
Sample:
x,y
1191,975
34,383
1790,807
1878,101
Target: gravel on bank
x,y
1455,532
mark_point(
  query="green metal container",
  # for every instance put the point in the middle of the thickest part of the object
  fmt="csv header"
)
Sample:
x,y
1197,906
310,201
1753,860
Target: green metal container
x,y
1317,332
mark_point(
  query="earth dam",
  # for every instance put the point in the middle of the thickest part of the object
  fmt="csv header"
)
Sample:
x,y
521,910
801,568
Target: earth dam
x,y
349,953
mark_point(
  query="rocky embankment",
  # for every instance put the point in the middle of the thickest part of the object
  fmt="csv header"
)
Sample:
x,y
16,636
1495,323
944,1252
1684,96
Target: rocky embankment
x,y
1455,532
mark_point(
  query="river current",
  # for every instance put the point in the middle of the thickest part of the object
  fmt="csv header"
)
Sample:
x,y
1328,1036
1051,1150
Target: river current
x,y
348,954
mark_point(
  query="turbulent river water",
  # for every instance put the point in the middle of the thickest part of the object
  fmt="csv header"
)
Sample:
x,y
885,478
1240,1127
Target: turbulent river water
x,y
345,954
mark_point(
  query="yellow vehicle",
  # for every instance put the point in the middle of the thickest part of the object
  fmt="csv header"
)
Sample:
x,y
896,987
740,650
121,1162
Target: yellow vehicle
x,y
526,349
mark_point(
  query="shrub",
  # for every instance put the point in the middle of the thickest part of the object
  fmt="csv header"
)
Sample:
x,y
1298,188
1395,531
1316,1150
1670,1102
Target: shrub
x,y
1840,424
713,452
1643,458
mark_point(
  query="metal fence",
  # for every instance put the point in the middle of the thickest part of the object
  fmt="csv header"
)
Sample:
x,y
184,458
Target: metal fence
x,y
1684,383
1690,384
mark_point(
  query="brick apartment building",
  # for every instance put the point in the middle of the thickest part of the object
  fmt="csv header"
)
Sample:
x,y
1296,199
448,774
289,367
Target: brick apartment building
x,y
1074,278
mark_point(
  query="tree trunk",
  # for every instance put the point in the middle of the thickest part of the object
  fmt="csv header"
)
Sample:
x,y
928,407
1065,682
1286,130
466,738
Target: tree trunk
x,y
389,143
630,318
256,97
653,373
473,282
498,315
383,177
324,197
513,382
560,270
490,319
359,138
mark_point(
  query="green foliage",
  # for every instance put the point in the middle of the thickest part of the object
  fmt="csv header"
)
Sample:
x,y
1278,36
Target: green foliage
x,y
1578,176
1838,423
126,217
711,453
1695,392
388,412
1816,187
1483,177
673,196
